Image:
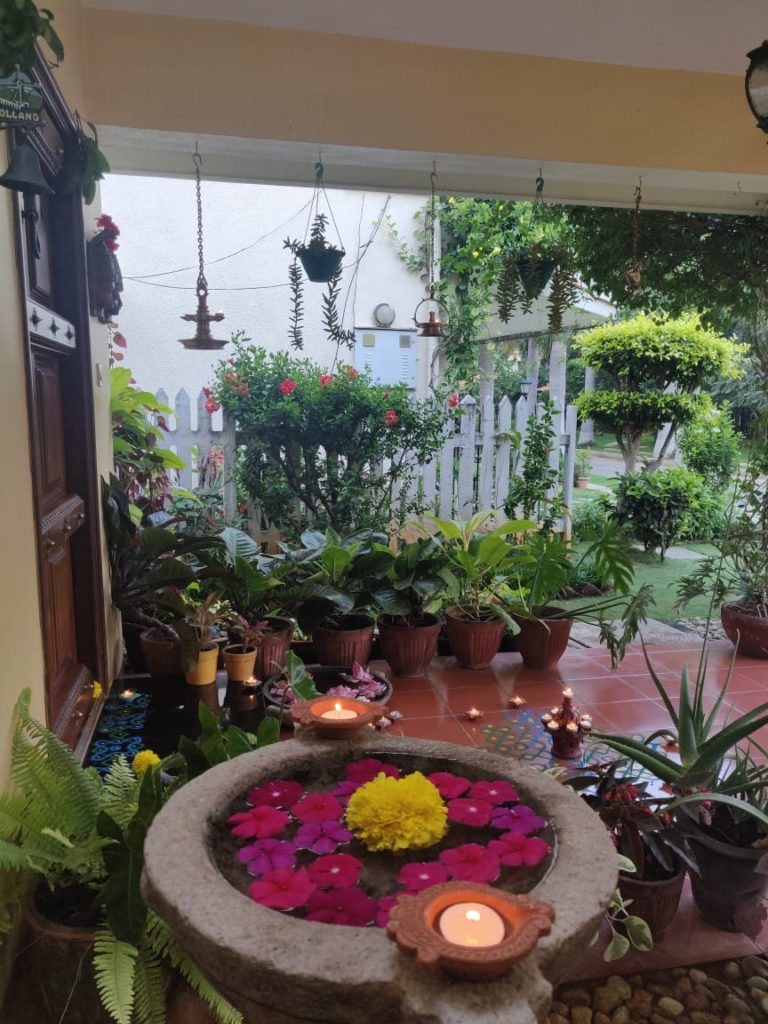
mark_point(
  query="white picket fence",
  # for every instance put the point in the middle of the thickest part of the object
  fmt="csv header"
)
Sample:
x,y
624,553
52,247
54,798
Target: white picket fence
x,y
470,472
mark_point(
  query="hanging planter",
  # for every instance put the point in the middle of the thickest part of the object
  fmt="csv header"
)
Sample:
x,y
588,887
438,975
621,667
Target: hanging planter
x,y
430,315
21,25
535,271
84,164
321,261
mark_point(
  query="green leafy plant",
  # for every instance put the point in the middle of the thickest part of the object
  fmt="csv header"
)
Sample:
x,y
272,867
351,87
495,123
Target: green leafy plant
x,y
710,446
217,742
84,164
590,518
654,364
530,491
653,506
627,930
413,582
22,23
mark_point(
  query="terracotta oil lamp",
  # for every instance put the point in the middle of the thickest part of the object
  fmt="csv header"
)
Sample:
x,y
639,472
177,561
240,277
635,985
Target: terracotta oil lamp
x,y
567,727
337,717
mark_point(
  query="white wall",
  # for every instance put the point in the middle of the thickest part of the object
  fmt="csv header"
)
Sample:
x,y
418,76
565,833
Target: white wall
x,y
158,226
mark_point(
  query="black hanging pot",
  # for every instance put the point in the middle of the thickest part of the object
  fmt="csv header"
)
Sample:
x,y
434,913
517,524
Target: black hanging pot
x,y
535,273
321,262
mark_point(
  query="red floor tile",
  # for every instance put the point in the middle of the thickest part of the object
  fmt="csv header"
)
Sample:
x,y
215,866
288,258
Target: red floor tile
x,y
418,704
447,729
484,696
638,716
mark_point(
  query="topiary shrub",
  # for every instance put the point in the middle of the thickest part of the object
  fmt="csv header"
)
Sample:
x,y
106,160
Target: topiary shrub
x,y
710,446
652,506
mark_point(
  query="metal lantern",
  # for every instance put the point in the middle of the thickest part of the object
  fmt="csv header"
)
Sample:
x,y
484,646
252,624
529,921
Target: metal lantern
x,y
756,84
202,339
429,315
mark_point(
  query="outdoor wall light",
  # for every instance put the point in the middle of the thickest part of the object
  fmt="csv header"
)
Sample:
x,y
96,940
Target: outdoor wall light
x,y
525,386
756,84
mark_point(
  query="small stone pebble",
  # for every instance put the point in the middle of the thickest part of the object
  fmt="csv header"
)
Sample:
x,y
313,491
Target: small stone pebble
x,y
764,1005
601,1018
575,997
697,977
736,1005
732,971
581,1015
620,1016
671,1006
756,981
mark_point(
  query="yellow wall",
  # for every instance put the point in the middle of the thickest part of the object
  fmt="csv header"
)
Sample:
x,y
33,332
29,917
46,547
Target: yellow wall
x,y
190,75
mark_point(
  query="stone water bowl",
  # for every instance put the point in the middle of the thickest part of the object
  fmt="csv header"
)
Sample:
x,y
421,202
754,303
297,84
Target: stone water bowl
x,y
279,969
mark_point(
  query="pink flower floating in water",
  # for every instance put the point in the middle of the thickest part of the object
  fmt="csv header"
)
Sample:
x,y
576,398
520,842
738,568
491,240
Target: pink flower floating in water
x,y
520,819
322,836
345,789
336,871
261,822
317,807
471,863
382,914
415,877
342,906
267,855
368,768
497,792
449,786
514,850
275,793
283,889
468,811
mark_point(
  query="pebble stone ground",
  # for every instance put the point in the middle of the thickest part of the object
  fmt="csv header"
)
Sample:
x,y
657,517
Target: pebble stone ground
x,y
729,992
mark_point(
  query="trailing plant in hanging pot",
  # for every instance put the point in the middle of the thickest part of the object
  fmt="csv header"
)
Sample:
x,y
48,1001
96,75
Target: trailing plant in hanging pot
x,y
320,260
21,25
84,164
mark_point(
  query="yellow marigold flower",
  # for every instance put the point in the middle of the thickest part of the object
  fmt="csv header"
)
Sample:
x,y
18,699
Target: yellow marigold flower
x,y
144,760
452,200
476,253
397,814
495,250
97,690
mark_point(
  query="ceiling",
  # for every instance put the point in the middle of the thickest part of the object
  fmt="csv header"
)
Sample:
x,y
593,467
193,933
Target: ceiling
x,y
690,35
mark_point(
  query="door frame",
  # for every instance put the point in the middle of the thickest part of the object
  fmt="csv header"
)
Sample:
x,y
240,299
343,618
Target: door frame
x,y
75,724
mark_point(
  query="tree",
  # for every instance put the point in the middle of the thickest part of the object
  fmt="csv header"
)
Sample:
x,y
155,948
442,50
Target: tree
x,y
654,364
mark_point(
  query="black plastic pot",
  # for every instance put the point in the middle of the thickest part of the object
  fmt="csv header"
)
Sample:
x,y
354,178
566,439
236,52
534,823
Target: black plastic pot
x,y
324,676
320,265
535,274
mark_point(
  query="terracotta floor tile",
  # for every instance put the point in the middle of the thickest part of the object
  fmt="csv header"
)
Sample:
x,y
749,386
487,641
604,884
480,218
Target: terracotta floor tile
x,y
484,696
639,716
412,682
418,704
445,673
447,729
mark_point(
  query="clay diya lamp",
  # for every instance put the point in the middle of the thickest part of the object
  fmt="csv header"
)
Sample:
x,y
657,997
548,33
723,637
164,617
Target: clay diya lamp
x,y
469,930
337,717
567,727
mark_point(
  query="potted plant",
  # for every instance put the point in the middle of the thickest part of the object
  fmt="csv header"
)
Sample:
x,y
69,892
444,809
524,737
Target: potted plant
x,y
539,575
202,617
240,658
583,468
300,682
408,629
477,565
719,797
740,570
321,261
331,589
646,834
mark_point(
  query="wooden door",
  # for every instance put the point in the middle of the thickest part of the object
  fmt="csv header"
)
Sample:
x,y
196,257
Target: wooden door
x,y
51,254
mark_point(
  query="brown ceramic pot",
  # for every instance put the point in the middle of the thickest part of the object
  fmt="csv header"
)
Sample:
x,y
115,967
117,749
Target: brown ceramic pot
x,y
749,632
655,902
409,649
474,643
542,642
161,654
273,647
352,642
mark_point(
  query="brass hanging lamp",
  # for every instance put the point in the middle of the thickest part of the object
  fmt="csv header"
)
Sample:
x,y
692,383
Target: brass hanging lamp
x,y
434,308
202,339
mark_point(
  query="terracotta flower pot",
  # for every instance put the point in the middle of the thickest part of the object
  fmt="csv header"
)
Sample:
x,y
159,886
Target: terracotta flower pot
x,y
161,654
238,662
474,643
204,673
351,642
273,647
749,631
655,902
409,649
542,642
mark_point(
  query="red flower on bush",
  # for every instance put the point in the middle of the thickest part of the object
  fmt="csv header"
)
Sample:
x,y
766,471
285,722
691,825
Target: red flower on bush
x,y
453,400
449,786
352,373
336,871
415,877
497,792
390,418
469,811
317,807
287,386
276,793
211,405
514,849
342,906
119,340
230,378
242,389
282,889
471,863
207,392
325,379
261,822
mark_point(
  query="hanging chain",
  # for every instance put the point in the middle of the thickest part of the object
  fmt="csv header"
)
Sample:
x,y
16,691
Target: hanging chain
x,y
636,222
431,232
202,284
539,197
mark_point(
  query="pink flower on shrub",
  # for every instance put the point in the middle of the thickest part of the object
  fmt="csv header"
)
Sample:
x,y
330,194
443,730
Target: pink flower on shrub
x,y
211,405
276,793
352,373
382,914
368,768
287,386
230,378
415,877
520,819
259,823
471,863
323,837
449,785
242,389
267,855
336,871
496,792
342,906
390,418
453,400
283,889
514,850
469,811
325,379
317,807
207,392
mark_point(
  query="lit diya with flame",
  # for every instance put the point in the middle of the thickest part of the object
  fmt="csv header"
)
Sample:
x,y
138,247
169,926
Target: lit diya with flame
x,y
567,727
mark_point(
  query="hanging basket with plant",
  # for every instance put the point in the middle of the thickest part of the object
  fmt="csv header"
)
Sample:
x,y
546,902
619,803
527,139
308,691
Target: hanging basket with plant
x,y
21,25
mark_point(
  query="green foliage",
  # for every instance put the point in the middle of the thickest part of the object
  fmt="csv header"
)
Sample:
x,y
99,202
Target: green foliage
x,y
413,582
317,453
704,520
22,23
84,164
643,358
215,744
710,446
627,930
590,518
529,492
652,506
